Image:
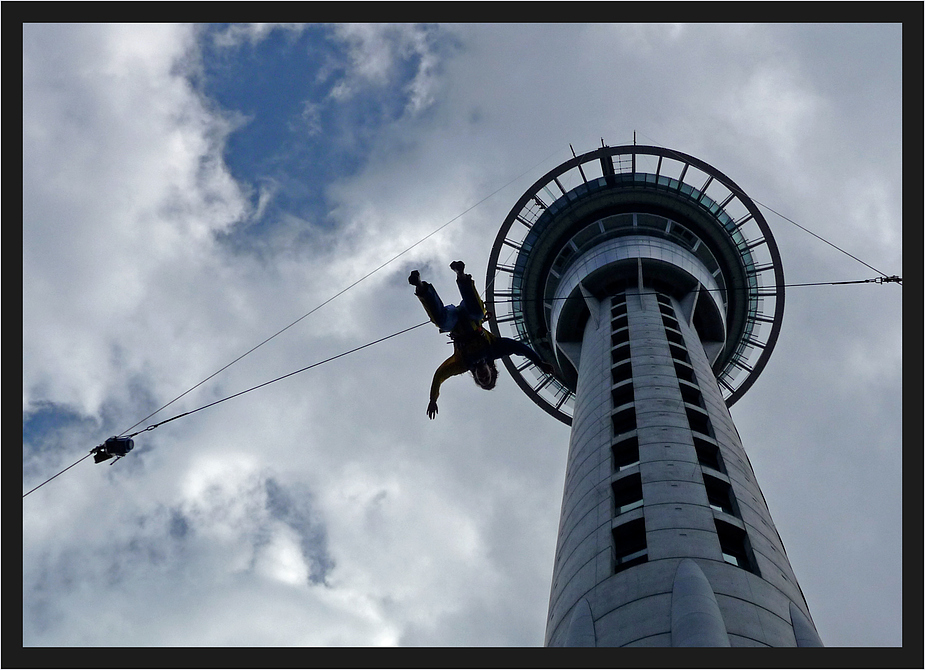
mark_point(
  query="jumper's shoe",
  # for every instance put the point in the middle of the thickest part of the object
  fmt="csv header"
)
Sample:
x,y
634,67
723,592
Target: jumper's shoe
x,y
414,278
458,266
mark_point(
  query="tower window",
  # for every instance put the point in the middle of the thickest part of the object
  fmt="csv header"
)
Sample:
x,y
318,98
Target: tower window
x,y
624,421
734,544
627,494
626,454
621,353
622,394
685,372
699,421
620,337
622,372
674,336
691,395
619,322
708,455
679,353
629,540
719,495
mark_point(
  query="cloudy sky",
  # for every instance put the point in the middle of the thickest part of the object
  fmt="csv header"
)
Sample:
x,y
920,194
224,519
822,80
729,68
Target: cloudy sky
x,y
190,190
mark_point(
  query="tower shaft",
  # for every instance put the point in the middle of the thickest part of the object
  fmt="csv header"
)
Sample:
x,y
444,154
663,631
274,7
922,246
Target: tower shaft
x,y
665,538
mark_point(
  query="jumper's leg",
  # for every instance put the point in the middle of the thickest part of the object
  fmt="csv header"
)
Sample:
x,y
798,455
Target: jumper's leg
x,y
472,303
442,316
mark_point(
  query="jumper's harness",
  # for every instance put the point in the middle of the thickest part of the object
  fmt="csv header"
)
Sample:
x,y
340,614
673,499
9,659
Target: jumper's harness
x,y
471,340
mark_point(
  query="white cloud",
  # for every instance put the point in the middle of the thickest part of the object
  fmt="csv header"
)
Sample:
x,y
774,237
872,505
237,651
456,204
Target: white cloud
x,y
425,532
874,205
252,33
773,105
377,51
123,188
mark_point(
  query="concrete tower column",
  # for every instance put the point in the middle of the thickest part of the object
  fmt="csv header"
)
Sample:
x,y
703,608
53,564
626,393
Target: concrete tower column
x,y
660,503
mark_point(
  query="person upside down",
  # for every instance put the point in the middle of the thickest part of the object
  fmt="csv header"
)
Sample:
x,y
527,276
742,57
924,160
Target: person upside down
x,y
474,348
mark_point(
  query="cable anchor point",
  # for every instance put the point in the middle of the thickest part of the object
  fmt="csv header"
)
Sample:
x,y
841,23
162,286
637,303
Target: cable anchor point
x,y
886,280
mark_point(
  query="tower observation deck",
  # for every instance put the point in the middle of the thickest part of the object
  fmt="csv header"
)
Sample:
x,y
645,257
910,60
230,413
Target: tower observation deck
x,y
653,284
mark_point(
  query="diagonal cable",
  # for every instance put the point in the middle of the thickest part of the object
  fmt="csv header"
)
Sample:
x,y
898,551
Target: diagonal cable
x,y
819,237
240,393
804,229
341,292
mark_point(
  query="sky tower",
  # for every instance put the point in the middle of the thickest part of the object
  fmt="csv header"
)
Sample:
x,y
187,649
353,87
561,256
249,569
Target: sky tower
x,y
654,284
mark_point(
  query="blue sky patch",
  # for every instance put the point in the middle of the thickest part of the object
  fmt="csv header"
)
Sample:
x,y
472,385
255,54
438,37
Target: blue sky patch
x,y
295,137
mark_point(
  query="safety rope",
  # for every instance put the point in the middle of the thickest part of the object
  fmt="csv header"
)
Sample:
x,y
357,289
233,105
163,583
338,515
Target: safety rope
x,y
53,476
341,292
819,237
240,393
273,381
876,280
785,218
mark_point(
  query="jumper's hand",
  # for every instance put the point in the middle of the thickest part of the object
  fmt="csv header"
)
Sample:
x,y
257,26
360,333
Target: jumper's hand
x,y
432,409
547,368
